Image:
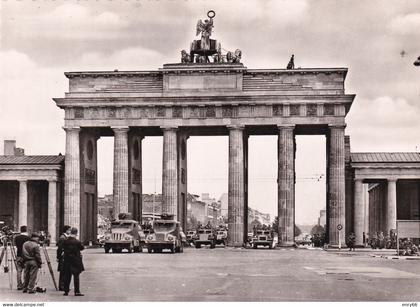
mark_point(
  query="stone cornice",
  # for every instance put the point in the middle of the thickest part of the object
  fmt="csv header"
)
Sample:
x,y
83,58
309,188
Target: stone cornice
x,y
208,100
200,68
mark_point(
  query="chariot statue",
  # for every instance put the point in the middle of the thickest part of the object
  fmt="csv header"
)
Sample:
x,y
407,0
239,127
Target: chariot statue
x,y
207,50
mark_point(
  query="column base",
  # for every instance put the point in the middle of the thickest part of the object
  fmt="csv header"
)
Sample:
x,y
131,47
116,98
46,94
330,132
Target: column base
x,y
286,244
238,244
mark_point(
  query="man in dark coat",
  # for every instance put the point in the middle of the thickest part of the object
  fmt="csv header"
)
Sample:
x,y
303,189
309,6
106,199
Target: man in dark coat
x,y
60,255
32,257
20,239
73,263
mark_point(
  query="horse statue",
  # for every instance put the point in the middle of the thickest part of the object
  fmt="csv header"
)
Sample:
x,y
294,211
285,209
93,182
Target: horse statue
x,y
185,57
234,57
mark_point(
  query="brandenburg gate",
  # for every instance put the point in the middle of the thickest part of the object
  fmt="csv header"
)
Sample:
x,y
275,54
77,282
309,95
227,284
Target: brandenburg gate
x,y
201,96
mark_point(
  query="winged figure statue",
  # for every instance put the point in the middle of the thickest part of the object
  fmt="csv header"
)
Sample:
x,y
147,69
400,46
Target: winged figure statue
x,y
205,29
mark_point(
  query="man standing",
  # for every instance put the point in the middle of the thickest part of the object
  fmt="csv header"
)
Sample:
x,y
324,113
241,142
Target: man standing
x,y
20,263
60,255
73,264
32,256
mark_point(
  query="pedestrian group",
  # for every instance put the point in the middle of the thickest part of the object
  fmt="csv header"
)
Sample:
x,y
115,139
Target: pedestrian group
x,y
69,258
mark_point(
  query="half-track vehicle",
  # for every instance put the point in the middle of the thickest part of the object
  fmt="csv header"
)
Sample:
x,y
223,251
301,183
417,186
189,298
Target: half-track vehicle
x,y
167,234
262,238
205,236
123,234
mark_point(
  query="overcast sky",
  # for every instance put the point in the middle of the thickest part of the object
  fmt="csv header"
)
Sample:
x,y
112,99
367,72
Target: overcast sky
x,y
377,40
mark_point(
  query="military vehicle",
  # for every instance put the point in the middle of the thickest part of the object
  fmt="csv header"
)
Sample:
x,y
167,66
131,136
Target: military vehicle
x,y
221,236
205,236
167,234
262,238
124,233
190,236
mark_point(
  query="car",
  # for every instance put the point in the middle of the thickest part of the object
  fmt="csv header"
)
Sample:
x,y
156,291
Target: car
x,y
262,238
205,236
123,234
167,234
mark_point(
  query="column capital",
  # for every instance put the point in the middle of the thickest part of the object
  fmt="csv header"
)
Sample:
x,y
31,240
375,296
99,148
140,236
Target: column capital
x,y
391,179
358,180
54,180
288,126
120,128
23,180
166,128
235,127
337,126
69,129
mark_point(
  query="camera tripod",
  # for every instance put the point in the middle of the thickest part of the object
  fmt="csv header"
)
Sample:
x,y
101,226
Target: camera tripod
x,y
8,244
7,266
47,259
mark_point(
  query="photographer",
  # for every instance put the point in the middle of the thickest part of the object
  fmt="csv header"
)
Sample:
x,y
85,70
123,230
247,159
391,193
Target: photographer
x,y
20,263
60,255
32,256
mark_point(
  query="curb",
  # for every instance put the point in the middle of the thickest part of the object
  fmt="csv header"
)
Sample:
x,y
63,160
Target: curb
x,y
394,257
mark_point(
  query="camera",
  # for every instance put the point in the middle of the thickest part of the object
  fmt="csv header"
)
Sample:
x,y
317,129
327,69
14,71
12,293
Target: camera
x,y
7,231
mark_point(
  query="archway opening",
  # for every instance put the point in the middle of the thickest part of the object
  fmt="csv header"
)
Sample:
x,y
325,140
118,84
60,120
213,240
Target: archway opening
x,y
262,182
207,171
310,188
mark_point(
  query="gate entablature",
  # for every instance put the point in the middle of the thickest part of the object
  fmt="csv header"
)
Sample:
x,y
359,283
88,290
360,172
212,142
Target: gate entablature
x,y
206,94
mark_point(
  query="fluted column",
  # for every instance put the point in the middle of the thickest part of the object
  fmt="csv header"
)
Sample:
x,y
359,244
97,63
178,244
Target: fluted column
x,y
52,210
336,185
391,214
120,186
23,203
72,178
170,171
359,211
286,185
236,189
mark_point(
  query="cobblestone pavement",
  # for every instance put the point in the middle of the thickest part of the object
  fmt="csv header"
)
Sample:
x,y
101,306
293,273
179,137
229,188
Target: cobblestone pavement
x,y
227,274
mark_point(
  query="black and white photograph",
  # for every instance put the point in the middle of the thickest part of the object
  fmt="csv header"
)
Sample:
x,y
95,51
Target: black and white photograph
x,y
224,151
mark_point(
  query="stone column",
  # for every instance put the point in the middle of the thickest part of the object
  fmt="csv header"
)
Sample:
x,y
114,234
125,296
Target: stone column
x,y
336,185
72,178
236,189
52,210
23,203
120,187
170,171
286,185
391,214
359,211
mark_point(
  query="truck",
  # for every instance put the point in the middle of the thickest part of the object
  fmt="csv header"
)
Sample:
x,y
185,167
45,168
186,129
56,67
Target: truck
x,y
221,236
205,236
166,234
262,238
123,234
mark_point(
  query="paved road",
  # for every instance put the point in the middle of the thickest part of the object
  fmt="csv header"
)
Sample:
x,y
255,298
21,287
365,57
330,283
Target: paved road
x,y
227,274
